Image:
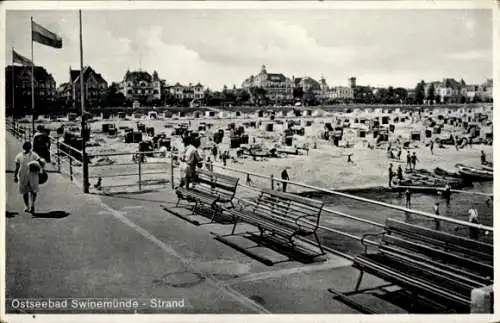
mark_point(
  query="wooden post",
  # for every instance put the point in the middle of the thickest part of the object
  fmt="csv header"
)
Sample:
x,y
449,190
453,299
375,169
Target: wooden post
x,y
58,157
172,170
271,177
140,177
70,168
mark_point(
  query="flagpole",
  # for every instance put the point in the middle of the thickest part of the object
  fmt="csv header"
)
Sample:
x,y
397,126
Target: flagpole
x,y
13,86
32,82
84,125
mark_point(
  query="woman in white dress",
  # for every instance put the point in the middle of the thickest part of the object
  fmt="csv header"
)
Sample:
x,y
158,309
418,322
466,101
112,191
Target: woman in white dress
x,y
28,166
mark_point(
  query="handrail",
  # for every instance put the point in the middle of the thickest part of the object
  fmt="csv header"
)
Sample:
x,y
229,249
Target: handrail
x,y
124,154
442,189
345,215
362,199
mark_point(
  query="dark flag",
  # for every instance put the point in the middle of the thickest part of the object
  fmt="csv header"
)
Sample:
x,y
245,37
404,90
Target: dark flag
x,y
20,59
44,36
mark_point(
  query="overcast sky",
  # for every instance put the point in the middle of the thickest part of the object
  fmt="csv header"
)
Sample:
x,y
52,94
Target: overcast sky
x,y
217,47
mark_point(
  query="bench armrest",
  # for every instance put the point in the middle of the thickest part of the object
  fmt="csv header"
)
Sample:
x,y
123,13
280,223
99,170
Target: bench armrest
x,y
364,236
243,203
303,218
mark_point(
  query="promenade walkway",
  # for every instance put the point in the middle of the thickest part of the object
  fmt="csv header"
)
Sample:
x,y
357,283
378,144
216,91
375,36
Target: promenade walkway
x,y
127,246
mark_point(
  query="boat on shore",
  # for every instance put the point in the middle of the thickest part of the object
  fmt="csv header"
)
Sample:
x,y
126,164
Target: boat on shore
x,y
488,168
445,173
473,173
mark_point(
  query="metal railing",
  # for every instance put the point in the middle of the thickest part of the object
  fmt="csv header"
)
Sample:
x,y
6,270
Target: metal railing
x,y
130,170
68,161
272,181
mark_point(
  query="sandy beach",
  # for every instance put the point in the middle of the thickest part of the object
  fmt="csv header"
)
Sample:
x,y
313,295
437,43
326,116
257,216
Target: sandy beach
x,y
326,166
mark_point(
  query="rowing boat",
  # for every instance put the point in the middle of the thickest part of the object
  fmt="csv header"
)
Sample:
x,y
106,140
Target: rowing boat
x,y
473,173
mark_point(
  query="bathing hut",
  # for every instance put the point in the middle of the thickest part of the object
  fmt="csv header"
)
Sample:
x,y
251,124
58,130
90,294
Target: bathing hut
x,y
384,119
290,114
260,113
182,114
71,116
238,114
210,114
121,115
307,113
318,113
152,115
223,114
197,114
138,115
415,135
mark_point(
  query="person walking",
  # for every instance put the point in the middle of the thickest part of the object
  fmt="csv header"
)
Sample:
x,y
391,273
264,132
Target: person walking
x,y
391,174
414,160
28,166
284,176
408,198
436,212
431,146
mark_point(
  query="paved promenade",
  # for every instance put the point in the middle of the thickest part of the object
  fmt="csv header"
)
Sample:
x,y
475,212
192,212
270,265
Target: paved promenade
x,y
86,246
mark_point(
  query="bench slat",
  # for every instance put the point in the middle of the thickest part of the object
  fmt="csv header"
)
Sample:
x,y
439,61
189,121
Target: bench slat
x,y
452,240
471,264
409,282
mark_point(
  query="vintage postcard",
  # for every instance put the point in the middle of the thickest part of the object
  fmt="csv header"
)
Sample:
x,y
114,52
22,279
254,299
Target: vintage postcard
x,y
169,160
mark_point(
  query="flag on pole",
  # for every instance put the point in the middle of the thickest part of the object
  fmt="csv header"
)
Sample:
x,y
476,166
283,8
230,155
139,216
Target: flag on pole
x,y
20,59
44,36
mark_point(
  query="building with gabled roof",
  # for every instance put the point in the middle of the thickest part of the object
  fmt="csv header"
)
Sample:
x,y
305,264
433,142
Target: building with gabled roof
x,y
276,86
93,83
141,86
45,89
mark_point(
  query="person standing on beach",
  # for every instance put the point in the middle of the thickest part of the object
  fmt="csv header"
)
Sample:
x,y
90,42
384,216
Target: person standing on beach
x,y
349,160
447,194
284,176
432,147
400,173
408,161
473,218
391,174
214,152
414,160
483,157
436,212
408,198
28,166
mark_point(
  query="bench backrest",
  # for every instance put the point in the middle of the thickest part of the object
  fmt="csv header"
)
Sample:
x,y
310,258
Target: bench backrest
x,y
443,240
289,207
217,184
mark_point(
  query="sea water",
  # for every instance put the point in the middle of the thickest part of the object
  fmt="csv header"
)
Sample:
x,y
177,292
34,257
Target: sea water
x,y
458,209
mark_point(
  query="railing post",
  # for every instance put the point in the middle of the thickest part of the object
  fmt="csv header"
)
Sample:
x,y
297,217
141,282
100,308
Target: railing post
x,y
140,177
172,170
58,156
271,177
70,168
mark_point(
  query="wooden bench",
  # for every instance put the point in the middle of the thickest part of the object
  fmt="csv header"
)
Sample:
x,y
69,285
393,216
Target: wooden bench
x,y
210,189
442,267
281,214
